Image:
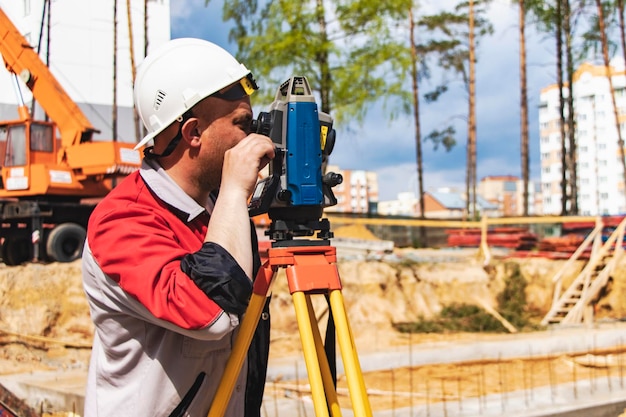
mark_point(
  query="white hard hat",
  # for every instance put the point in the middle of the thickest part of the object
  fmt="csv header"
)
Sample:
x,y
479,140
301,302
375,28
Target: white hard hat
x,y
179,74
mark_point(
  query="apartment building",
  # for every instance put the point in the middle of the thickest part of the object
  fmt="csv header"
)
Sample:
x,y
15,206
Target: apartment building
x,y
405,205
599,161
77,41
507,192
358,193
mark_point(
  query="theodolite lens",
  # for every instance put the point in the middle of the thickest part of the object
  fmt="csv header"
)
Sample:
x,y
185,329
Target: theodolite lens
x,y
262,124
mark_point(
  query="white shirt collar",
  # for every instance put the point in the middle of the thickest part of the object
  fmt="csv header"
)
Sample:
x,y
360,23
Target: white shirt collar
x,y
169,191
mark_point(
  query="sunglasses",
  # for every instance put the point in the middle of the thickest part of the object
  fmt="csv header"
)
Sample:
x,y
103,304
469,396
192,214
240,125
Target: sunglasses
x,y
243,88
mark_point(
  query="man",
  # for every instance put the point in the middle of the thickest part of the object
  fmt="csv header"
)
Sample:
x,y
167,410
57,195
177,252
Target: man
x,y
168,262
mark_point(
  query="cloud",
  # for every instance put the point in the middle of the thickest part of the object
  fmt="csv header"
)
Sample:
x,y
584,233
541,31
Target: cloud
x,y
388,148
396,179
192,18
181,10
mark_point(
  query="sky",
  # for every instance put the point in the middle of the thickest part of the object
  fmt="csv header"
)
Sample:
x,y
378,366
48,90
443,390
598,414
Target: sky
x,y
388,148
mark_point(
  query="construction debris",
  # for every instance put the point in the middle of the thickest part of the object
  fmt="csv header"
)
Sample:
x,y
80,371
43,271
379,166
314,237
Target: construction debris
x,y
518,238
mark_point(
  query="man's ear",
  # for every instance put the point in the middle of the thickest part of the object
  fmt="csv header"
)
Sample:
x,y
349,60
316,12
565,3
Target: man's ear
x,y
191,131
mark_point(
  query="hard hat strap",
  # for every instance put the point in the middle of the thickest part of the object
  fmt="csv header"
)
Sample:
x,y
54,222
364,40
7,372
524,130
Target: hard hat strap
x,y
147,153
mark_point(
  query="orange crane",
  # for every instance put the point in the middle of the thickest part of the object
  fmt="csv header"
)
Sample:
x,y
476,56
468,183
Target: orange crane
x,y
50,170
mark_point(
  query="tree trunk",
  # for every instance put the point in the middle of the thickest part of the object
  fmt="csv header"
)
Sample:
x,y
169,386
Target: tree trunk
x,y
322,60
559,80
523,107
571,129
48,26
133,67
416,118
114,110
622,30
44,12
609,76
472,113
145,47
145,28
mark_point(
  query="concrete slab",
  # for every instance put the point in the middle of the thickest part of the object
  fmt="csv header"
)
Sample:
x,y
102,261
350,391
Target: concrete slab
x,y
49,391
64,390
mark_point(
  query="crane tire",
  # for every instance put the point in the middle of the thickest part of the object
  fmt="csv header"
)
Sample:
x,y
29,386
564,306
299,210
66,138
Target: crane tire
x,y
65,242
15,251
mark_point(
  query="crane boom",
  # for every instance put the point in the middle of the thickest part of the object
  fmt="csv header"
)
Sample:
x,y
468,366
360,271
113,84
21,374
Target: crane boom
x,y
20,58
49,183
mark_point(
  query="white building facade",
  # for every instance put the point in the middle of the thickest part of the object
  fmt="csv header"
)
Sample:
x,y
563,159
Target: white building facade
x,y
600,176
357,193
507,192
80,35
406,205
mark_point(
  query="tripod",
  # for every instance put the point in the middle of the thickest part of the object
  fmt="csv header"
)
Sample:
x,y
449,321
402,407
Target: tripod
x,y
310,268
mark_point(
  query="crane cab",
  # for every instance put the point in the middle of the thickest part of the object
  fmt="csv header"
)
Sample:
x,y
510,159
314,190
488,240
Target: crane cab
x,y
23,143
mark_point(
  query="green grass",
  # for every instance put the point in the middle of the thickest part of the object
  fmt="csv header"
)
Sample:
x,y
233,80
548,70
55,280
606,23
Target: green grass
x,y
460,317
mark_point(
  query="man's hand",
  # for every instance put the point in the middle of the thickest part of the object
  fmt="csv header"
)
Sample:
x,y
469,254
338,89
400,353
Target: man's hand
x,y
243,162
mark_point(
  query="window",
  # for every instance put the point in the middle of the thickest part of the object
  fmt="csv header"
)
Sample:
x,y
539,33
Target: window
x,y
510,186
41,138
16,149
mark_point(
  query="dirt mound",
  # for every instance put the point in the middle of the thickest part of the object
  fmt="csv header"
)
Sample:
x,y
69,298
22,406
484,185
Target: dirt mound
x,y
43,308
355,231
45,323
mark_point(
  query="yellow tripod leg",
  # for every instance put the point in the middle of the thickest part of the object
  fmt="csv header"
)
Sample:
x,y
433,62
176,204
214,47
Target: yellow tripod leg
x,y
237,356
327,378
243,339
310,354
356,383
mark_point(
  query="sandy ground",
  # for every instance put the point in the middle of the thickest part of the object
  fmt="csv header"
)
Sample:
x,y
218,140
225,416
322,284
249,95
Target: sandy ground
x,y
45,325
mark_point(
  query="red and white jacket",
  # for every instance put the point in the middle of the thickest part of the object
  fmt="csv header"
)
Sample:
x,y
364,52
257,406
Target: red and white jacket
x,y
165,304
